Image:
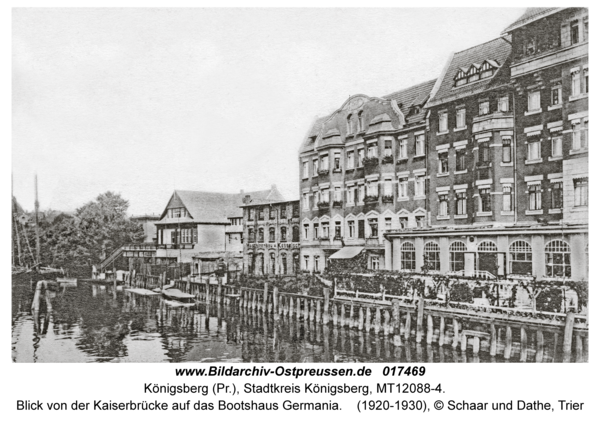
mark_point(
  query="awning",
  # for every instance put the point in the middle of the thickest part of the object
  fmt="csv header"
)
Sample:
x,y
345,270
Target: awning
x,y
347,253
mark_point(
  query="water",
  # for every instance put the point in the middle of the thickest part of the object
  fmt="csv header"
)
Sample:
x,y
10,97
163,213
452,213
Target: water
x,y
94,323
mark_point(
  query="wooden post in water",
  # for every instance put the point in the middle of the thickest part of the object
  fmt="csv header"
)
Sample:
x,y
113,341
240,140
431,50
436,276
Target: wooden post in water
x,y
493,341
508,343
523,345
568,337
368,319
318,314
305,302
578,348
539,344
429,329
291,306
463,342
476,345
219,289
442,338
275,303
311,309
396,321
420,308
361,318
377,324
265,298
407,327
326,306
342,315
456,333
298,308
207,297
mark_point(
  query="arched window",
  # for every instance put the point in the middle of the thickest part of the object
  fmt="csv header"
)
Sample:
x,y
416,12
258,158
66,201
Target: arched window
x,y
407,256
296,260
284,269
296,234
251,262
272,235
457,256
251,238
261,235
272,263
519,258
361,121
261,264
487,246
349,127
431,256
558,259
283,238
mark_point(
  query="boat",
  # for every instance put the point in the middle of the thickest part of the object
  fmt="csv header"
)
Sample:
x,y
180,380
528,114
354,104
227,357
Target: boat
x,y
178,295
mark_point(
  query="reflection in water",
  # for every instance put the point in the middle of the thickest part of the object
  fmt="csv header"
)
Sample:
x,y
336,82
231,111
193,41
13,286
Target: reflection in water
x,y
97,323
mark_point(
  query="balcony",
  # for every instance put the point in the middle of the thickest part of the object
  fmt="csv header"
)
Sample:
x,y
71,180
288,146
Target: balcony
x,y
370,163
337,204
323,205
369,200
484,172
387,199
175,246
323,173
493,121
388,159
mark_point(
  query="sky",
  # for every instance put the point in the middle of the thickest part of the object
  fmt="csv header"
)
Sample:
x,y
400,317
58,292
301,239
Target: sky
x,y
146,101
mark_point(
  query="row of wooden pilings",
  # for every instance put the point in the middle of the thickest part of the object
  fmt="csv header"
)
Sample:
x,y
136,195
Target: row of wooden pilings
x,y
404,321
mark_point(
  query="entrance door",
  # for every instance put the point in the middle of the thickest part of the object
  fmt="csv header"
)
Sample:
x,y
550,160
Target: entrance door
x,y
487,262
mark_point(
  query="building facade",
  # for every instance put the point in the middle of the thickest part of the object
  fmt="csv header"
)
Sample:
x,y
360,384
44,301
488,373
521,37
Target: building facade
x,y
507,160
272,231
363,170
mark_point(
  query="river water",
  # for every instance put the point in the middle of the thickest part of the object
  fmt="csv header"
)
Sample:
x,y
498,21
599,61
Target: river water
x,y
95,323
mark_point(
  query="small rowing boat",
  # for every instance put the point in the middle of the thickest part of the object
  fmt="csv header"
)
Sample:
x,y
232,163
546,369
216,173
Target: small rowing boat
x,y
175,294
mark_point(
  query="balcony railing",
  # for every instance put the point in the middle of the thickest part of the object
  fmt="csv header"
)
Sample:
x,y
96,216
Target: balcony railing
x,y
483,173
388,159
323,205
387,199
337,203
175,246
323,172
371,199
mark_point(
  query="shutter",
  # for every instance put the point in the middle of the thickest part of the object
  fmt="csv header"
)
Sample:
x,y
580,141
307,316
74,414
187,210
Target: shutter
x,y
195,235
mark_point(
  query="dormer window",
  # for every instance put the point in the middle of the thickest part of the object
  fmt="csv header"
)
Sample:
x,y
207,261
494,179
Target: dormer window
x,y
486,70
349,127
361,121
473,74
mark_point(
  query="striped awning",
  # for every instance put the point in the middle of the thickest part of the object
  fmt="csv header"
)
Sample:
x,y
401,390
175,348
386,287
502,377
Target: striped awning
x,y
347,253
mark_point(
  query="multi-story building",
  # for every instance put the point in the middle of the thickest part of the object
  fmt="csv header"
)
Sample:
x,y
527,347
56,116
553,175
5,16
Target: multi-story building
x,y
507,157
197,226
148,224
363,170
272,230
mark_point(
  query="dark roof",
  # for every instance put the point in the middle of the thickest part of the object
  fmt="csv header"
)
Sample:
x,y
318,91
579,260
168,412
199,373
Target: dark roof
x,y
416,95
530,15
273,203
212,207
497,50
308,144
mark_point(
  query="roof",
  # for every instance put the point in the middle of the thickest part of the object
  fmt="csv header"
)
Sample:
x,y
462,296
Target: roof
x,y
212,207
308,144
496,51
347,253
416,95
531,14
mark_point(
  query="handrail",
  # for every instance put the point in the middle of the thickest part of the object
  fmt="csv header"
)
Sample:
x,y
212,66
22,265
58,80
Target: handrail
x,y
116,253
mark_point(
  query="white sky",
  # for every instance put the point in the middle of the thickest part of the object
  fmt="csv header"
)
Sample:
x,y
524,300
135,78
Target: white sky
x,y
145,101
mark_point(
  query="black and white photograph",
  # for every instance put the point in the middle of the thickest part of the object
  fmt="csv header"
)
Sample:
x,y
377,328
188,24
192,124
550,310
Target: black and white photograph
x,y
333,185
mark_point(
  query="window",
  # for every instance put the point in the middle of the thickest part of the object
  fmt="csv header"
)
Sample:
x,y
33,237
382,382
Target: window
x,y
283,212
272,212
325,229
461,159
315,167
338,230
431,256
473,74
186,236
403,222
581,191
375,262
336,161
520,258
574,32
420,221
507,198
361,193
557,195
361,228
316,230
273,262
484,153
485,200
420,145
488,246
261,235
443,204
556,95
419,185
261,214
306,259
361,157
557,147
388,224
325,162
387,151
586,82
337,194
575,82
317,265
295,234
580,135
533,150
372,188
535,196
349,127
408,256
460,118
250,214
403,187
350,195
325,195
350,160
351,229
461,203
283,238
443,121
506,149
305,201
443,163
457,256
486,70
374,227
372,151
251,238
503,104
272,235
284,263
387,187
533,101
361,121
484,108
306,228
261,264
585,29
402,148
558,259
305,169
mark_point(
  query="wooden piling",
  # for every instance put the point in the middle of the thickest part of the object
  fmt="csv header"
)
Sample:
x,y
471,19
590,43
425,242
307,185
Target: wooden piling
x,y
361,318
568,336
377,323
207,290
318,313
334,314
442,338
396,322
456,338
407,326
539,344
326,306
305,303
493,341
429,329
275,303
219,289
386,323
476,345
420,309
368,319
523,345
265,298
